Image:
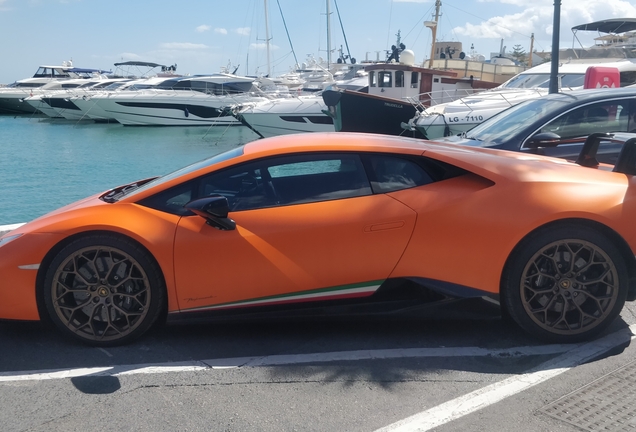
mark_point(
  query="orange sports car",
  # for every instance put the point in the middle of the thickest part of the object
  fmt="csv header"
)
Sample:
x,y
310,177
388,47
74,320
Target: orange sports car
x,y
336,223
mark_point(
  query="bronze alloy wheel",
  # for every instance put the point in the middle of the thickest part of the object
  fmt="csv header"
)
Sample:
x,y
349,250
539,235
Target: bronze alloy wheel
x,y
569,286
100,293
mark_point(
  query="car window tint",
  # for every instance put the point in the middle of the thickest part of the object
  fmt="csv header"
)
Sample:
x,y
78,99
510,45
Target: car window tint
x,y
598,117
244,187
307,178
271,182
390,173
172,200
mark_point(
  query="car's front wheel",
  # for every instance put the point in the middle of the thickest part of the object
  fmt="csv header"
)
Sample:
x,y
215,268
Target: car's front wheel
x,y
103,290
565,284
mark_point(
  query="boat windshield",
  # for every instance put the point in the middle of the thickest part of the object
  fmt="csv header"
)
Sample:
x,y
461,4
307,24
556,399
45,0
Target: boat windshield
x,y
503,126
570,81
230,154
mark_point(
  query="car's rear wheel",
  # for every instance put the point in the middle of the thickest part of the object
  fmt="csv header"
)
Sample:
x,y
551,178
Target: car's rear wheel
x,y
565,284
103,290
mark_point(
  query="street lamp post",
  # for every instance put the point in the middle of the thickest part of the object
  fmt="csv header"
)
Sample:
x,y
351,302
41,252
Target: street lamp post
x,y
554,69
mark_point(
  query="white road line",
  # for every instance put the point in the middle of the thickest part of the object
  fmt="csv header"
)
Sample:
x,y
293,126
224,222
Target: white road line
x,y
277,360
478,399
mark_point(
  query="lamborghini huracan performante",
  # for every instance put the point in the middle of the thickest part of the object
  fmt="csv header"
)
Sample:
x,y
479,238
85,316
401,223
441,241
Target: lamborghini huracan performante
x,y
325,224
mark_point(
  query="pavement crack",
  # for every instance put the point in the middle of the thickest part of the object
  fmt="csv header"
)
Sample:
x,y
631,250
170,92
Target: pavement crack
x,y
319,381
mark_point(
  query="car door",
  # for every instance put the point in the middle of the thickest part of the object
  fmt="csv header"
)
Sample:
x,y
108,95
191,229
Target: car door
x,y
575,125
308,227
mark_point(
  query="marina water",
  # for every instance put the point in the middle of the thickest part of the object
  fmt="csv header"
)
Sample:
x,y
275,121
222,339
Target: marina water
x,y
47,163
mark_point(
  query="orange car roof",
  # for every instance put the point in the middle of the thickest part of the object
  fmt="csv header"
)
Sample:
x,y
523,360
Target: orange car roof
x,y
490,163
330,141
495,165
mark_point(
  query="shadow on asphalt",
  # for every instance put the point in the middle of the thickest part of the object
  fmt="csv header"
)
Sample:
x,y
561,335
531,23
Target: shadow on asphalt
x,y
33,346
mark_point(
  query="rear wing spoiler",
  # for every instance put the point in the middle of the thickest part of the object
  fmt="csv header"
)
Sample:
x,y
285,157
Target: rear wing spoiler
x,y
626,162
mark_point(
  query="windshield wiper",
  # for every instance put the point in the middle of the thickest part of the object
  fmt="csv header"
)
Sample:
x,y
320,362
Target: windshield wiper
x,y
472,138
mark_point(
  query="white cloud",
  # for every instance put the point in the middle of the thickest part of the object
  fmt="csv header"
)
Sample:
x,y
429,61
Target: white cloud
x,y
183,46
243,31
220,31
263,46
202,28
537,17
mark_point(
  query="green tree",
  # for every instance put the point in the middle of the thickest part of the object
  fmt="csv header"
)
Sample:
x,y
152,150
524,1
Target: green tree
x,y
519,54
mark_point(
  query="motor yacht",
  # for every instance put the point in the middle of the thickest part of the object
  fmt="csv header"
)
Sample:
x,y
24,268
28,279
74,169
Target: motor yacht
x,y
614,52
187,101
298,112
46,78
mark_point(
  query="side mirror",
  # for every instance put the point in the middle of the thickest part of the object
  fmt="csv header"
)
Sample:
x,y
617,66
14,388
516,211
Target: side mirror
x,y
214,210
543,139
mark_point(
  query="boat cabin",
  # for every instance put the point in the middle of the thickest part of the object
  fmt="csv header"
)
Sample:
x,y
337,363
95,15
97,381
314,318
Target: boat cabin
x,y
405,81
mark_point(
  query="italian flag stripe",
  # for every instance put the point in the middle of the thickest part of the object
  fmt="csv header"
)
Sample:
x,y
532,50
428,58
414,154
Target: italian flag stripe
x,y
333,293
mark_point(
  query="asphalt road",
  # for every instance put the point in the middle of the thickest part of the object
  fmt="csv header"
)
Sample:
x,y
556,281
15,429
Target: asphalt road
x,y
309,376
445,375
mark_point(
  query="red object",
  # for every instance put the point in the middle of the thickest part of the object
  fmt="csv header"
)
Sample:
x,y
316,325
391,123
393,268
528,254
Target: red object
x,y
602,77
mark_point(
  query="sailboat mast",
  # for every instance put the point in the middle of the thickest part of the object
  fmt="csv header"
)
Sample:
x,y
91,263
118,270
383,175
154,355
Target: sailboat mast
x,y
267,39
328,34
438,5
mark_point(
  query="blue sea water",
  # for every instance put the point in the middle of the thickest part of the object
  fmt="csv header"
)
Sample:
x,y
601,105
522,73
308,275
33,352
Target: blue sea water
x,y
47,163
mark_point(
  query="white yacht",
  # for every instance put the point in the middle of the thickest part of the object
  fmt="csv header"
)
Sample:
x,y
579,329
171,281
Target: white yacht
x,y
297,113
128,75
46,77
186,101
613,53
283,116
87,102
53,99
463,114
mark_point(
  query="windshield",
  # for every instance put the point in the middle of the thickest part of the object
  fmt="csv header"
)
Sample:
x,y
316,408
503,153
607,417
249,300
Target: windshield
x,y
528,80
230,154
507,123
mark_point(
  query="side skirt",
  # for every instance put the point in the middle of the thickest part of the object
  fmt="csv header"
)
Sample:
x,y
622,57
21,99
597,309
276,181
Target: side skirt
x,y
395,298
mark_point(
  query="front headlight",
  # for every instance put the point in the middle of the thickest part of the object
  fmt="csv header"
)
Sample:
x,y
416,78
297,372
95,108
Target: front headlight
x,y
7,239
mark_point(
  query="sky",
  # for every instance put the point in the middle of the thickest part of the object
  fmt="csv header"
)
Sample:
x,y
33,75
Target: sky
x,y
205,36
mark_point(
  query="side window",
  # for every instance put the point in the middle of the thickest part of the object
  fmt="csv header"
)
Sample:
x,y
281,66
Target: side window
x,y
304,178
244,186
390,173
308,178
399,79
385,79
372,82
599,117
631,119
172,200
286,180
414,79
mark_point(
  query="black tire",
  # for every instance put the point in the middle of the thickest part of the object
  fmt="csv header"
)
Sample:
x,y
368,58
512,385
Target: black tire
x,y
104,290
565,284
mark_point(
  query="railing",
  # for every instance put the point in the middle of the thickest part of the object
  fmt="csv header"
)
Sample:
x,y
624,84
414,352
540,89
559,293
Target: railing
x,y
427,100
